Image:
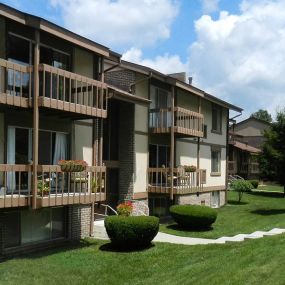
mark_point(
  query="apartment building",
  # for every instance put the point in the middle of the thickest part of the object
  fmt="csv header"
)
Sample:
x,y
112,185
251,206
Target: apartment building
x,y
245,143
182,126
64,97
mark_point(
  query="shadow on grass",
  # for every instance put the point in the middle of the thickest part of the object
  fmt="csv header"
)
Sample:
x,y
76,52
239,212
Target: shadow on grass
x,y
38,252
268,212
234,202
268,194
177,227
113,248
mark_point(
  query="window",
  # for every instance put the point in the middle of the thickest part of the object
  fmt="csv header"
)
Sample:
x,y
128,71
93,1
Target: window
x,y
217,113
216,161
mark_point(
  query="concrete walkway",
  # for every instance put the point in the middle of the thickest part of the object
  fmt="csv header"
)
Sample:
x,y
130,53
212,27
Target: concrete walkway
x,y
100,233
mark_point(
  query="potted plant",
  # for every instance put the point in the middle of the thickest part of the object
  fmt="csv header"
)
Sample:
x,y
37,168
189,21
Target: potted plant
x,y
72,165
43,188
190,168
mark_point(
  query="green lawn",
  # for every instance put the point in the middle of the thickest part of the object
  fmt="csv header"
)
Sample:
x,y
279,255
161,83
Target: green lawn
x,y
272,188
257,211
250,262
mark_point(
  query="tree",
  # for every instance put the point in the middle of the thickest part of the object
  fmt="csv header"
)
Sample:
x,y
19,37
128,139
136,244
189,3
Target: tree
x,y
262,115
241,186
272,159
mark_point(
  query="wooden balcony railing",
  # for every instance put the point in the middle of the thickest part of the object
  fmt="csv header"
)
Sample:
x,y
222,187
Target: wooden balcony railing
x,y
15,185
159,180
59,89
186,122
67,91
15,84
54,186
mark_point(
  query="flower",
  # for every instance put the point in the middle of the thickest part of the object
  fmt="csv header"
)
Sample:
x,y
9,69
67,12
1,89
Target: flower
x,y
125,209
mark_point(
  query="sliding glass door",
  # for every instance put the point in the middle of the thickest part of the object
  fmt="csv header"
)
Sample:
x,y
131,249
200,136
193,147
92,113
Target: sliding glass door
x,y
19,50
52,148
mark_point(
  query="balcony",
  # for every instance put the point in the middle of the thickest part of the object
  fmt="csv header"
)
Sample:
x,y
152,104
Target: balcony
x,y
58,90
186,122
55,188
15,84
70,92
159,181
249,168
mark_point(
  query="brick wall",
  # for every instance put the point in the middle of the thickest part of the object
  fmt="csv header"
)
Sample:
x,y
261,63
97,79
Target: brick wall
x,y
79,217
121,79
126,151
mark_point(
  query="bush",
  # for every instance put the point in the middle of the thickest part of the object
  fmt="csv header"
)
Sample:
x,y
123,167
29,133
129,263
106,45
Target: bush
x,y
241,186
131,232
193,216
254,183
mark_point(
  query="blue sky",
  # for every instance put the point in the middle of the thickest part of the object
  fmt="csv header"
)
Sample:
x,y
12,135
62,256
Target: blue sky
x,y
232,48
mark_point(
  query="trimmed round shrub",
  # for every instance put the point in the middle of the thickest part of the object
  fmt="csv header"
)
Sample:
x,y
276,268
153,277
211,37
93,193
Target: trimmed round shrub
x,y
254,183
193,216
133,231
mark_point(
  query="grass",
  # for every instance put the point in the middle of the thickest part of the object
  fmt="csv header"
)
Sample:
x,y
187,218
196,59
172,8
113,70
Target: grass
x,y
271,188
257,211
250,262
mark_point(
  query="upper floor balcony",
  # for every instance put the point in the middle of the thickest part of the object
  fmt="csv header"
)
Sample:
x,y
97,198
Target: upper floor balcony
x,y
58,89
186,122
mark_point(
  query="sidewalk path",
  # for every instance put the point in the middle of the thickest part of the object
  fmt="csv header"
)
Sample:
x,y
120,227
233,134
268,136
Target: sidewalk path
x,y
100,233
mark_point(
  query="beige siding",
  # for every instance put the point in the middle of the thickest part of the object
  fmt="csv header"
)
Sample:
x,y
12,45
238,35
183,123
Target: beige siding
x,y
83,62
186,153
213,138
82,143
205,163
187,100
141,163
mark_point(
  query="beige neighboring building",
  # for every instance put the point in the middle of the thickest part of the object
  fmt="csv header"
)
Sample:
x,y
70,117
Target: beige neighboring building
x,y
245,143
183,125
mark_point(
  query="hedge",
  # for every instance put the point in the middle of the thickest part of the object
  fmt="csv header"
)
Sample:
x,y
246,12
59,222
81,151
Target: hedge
x,y
133,231
254,183
193,216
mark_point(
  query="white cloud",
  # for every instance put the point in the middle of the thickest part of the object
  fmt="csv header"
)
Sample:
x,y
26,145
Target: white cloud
x,y
119,22
210,6
241,57
165,63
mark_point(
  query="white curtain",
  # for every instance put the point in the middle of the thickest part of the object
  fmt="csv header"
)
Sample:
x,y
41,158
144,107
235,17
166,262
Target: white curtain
x,y
60,151
11,154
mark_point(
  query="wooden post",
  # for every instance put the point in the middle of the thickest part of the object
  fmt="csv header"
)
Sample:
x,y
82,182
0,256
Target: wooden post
x,y
94,143
172,143
36,118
